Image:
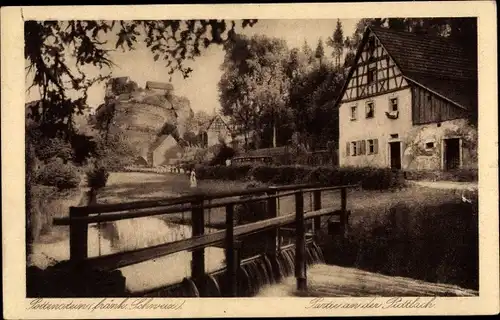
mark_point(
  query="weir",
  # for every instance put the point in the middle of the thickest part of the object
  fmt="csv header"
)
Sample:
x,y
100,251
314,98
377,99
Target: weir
x,y
262,244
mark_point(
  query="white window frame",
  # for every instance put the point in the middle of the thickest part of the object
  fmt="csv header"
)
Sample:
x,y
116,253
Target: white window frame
x,y
372,144
391,105
354,148
372,103
355,117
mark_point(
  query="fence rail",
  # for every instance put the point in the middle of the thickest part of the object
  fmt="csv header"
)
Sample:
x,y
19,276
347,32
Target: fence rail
x,y
81,217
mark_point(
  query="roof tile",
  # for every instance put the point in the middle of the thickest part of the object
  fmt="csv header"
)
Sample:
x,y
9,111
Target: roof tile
x,y
436,63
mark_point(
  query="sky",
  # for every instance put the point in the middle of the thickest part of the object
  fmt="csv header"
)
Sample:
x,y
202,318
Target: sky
x,y
201,86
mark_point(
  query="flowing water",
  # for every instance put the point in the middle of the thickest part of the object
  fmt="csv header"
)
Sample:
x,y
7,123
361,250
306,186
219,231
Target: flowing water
x,y
262,276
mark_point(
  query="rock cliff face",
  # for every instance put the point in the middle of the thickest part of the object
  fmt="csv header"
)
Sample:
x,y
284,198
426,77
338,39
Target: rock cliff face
x,y
142,115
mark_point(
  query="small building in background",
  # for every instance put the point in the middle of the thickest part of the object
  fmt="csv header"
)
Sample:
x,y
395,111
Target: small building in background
x,y
162,150
160,87
407,103
215,131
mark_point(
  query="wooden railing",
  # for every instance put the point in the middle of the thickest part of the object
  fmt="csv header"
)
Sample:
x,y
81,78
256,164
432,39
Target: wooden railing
x,y
80,217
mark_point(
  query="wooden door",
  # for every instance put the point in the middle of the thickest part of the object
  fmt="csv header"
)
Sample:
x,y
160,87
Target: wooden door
x,y
452,153
395,155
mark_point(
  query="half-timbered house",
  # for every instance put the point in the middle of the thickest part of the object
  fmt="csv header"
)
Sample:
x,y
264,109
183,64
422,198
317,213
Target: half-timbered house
x,y
215,131
407,103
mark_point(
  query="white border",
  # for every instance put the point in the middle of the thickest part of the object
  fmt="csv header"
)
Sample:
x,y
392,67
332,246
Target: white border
x,y
12,67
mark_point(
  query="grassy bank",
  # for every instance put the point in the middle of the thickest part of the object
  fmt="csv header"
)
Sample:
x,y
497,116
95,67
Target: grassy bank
x,y
432,236
458,175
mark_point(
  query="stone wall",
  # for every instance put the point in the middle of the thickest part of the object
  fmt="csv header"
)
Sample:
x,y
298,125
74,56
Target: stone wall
x,y
418,155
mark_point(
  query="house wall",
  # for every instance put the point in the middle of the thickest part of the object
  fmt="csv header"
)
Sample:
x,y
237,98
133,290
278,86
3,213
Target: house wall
x,y
429,108
379,127
417,156
218,129
213,136
158,155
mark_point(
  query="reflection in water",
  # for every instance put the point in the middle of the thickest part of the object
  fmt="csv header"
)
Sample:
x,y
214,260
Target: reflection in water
x,y
130,234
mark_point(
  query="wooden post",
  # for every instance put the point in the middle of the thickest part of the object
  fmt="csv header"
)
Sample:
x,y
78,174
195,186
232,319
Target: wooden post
x,y
78,237
317,206
343,209
273,243
198,226
231,254
300,243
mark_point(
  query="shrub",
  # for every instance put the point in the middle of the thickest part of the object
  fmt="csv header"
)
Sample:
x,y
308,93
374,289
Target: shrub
x,y
58,174
400,240
264,173
368,178
222,172
115,152
97,176
222,155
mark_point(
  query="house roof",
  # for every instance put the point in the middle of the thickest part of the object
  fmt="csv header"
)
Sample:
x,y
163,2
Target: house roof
x,y
421,55
159,85
438,64
208,124
159,140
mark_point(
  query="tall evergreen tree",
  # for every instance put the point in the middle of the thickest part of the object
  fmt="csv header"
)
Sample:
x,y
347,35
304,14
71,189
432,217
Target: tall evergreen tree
x,y
320,51
308,52
338,42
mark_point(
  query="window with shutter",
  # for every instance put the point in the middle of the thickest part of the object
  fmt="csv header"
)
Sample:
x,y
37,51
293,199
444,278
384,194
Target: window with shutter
x,y
375,146
363,147
354,149
370,147
347,148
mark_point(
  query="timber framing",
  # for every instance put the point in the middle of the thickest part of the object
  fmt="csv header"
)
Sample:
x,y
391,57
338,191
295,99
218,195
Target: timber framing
x,y
376,94
392,75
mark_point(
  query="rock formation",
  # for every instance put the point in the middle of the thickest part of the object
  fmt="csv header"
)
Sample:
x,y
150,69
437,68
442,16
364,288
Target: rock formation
x,y
141,115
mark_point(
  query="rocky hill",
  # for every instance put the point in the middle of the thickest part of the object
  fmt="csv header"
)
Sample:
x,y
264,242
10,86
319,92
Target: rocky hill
x,y
140,115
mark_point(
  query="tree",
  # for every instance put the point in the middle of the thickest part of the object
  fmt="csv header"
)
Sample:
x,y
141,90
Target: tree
x,y
313,115
308,52
57,52
319,53
191,138
253,88
337,43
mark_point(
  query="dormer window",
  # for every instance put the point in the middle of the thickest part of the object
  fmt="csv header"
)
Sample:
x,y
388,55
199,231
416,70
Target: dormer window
x,y
370,110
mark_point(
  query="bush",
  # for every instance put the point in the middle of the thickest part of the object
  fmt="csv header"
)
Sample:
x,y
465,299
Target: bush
x,y
222,172
58,174
222,155
407,236
97,177
368,178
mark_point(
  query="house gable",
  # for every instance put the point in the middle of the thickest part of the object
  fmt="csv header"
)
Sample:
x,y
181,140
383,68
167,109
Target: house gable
x,y
164,147
437,69
374,72
218,125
